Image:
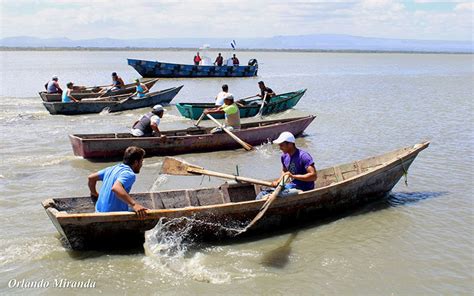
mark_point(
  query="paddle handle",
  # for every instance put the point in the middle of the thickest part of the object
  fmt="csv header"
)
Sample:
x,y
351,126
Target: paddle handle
x,y
247,98
246,146
228,176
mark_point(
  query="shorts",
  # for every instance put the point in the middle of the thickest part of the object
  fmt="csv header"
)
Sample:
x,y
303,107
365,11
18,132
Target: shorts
x,y
288,191
220,130
137,132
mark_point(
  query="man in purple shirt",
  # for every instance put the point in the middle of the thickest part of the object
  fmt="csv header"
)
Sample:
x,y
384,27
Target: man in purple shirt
x,y
297,165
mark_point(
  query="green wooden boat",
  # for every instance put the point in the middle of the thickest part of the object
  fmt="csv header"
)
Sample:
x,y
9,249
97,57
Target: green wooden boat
x,y
251,107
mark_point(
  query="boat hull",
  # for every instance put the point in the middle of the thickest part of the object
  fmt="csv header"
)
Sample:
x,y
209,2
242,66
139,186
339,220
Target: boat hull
x,y
278,104
213,213
106,146
128,89
149,69
83,107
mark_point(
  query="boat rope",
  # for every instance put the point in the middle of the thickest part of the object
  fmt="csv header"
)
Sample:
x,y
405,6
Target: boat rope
x,y
202,179
405,171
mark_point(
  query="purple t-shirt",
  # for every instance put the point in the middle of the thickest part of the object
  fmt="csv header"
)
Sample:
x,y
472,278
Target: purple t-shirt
x,y
297,165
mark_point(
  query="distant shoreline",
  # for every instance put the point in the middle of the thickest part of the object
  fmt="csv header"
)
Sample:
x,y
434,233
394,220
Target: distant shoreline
x,y
5,48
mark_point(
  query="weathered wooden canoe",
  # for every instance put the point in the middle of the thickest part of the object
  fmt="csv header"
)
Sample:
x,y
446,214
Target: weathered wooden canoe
x,y
170,70
113,104
277,104
94,92
208,213
191,140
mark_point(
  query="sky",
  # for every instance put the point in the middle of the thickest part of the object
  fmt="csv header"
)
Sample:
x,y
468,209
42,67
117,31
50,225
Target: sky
x,y
87,19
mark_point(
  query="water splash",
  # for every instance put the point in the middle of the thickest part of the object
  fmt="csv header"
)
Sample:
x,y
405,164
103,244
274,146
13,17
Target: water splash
x,y
266,150
162,179
174,253
105,111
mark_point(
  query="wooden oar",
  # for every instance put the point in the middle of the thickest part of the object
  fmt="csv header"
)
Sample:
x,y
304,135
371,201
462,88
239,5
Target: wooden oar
x,y
199,119
176,166
246,146
266,205
263,104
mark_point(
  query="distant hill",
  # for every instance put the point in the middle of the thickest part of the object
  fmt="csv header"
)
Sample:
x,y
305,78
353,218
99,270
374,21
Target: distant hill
x,y
303,42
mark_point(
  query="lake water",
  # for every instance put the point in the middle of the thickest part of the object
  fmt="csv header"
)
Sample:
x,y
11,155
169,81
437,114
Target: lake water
x,y
419,241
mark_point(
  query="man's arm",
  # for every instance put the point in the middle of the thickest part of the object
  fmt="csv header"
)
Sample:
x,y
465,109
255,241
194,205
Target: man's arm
x,y
310,176
124,196
214,110
93,178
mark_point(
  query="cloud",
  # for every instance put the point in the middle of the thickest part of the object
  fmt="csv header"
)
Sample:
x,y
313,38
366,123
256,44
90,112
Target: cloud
x,y
79,19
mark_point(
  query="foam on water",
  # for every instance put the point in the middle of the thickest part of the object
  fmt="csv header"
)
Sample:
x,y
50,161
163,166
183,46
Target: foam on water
x,y
170,253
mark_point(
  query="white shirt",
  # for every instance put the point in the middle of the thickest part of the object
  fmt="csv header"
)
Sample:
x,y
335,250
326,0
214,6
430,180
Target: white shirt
x,y
220,98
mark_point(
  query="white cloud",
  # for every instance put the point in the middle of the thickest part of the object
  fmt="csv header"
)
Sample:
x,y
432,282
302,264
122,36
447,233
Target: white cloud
x,y
78,19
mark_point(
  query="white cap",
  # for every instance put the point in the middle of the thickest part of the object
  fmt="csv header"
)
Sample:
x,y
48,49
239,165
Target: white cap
x,y
229,96
158,108
285,137
54,77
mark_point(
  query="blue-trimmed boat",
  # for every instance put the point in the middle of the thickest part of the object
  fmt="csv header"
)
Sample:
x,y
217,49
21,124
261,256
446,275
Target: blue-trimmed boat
x,y
112,104
251,107
155,69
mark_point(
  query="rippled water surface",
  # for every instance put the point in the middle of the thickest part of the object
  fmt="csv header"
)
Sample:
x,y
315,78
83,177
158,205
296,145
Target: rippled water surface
x,y
418,241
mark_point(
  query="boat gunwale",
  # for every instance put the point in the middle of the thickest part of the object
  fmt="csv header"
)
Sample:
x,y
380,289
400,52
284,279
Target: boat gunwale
x,y
272,124
153,214
206,105
110,102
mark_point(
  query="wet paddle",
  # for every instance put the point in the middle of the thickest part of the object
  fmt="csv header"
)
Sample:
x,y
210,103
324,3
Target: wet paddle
x,y
266,205
263,104
246,146
176,166
199,119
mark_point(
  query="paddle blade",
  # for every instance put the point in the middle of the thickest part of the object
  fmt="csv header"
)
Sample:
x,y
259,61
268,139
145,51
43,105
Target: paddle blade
x,y
176,166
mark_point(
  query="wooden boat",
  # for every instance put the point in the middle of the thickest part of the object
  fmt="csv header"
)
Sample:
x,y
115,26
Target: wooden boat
x,y
191,140
170,70
93,92
212,213
251,108
113,104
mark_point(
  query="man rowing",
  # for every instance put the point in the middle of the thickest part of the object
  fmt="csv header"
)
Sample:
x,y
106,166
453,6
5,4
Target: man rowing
x,y
297,165
231,114
117,182
147,124
52,86
265,92
141,89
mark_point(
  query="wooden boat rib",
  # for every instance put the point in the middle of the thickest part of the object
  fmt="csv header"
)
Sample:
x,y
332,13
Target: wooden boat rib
x,y
182,141
113,104
94,93
208,213
277,104
171,70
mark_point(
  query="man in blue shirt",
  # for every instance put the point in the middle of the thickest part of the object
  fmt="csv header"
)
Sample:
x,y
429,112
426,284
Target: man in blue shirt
x,y
117,182
297,165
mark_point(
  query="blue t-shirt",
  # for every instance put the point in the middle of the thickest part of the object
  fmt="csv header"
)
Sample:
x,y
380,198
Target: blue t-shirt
x,y
297,164
66,98
108,201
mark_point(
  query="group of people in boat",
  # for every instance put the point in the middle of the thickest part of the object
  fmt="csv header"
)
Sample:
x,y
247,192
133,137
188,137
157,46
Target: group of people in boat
x,y
234,61
297,165
117,181
52,87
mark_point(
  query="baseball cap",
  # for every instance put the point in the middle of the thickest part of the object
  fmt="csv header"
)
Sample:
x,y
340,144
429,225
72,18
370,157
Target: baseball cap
x,y
285,137
158,108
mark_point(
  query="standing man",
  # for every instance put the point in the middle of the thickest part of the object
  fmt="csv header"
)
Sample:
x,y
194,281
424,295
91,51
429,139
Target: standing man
x,y
232,114
297,165
148,123
222,95
219,60
197,59
117,182
52,86
235,60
